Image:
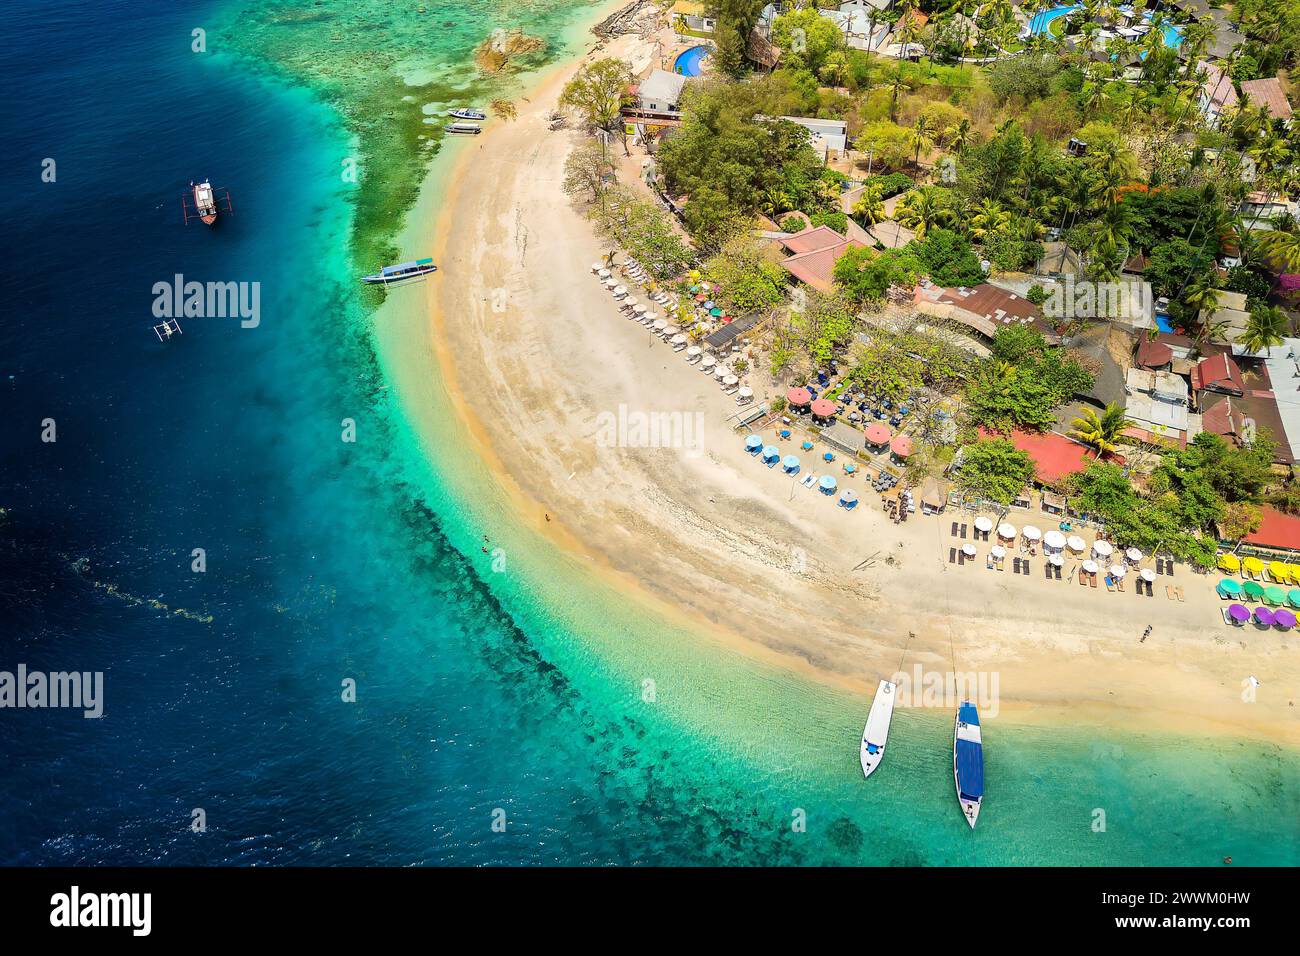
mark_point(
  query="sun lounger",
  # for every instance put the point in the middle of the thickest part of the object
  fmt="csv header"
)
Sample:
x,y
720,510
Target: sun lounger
x,y
1092,580
954,529
807,480
989,562
952,555
1179,591
1169,591
1083,580
1227,618
1110,586
963,532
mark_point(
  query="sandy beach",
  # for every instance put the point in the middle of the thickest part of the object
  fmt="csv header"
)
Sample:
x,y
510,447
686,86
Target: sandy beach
x,y
750,558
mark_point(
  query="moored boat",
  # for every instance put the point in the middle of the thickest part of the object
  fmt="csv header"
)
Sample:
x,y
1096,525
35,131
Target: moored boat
x,y
968,761
403,270
203,202
470,128
876,732
467,114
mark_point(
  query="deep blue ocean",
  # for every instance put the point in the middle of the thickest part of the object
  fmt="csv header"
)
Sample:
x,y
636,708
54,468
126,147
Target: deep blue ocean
x,y
329,560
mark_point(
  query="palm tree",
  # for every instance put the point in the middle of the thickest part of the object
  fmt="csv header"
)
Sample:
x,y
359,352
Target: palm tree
x,y
989,218
1103,431
1281,249
870,207
921,131
922,208
959,136
1267,326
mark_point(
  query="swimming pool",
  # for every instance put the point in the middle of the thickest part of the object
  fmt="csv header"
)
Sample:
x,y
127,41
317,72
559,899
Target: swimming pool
x,y
1039,22
1173,35
688,62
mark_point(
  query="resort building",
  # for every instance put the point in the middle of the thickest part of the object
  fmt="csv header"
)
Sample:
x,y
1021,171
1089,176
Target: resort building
x,y
660,92
1231,313
861,23
1054,456
982,308
828,137
1279,533
1268,95
1157,403
813,254
691,16
1218,95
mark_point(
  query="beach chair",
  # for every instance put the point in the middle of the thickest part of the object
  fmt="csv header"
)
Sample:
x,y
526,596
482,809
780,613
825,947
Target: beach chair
x,y
963,532
1047,571
1119,584
1227,618
1151,589
1083,580
1110,585
1016,567
954,529
1092,579
1179,591
1169,592
988,563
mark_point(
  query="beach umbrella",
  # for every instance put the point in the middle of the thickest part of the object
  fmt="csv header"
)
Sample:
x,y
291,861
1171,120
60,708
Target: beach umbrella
x,y
610,282
730,380
603,273
790,462
878,433
1252,565
1118,570
701,297
968,549
1056,559
710,304
721,372
1075,543
660,324
671,330
1031,533
785,433
848,496
1229,562
633,301
597,268
902,447
1293,596
679,339
1090,566
983,523
1277,570
1284,619
823,408
746,392
998,551
1274,595
1253,589
619,291
726,320
828,457
1147,574
706,286
1054,540
715,312
1134,555
650,317
1293,572
1102,549
849,467
753,442
707,361
1229,588
1007,530
694,275
798,396
693,351
771,452
828,482
1239,613
807,446
1264,616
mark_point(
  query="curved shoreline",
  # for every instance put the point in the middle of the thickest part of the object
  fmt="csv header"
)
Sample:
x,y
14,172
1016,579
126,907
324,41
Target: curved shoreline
x,y
1053,670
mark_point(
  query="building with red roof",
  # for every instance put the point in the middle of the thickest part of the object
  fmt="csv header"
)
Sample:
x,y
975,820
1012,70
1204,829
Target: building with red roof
x,y
1054,456
1218,373
1277,531
1155,356
816,251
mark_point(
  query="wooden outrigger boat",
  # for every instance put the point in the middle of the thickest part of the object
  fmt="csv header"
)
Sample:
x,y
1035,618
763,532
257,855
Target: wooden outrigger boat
x,y
403,270
165,330
203,202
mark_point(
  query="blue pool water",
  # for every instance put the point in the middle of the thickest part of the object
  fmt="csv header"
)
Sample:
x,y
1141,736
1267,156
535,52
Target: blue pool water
x,y
1173,35
1042,20
690,62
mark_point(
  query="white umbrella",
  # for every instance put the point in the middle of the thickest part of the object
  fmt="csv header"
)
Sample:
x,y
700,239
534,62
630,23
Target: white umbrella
x,y
670,331
730,380
984,524
603,273
679,339
707,362
746,392
1007,530
661,324
968,550
620,291
1102,549
722,372
610,282
1075,543
650,316
693,351
1031,533
639,309
998,551
1118,570
633,300
1133,554
1147,574
1056,559
597,268
1054,540
1090,566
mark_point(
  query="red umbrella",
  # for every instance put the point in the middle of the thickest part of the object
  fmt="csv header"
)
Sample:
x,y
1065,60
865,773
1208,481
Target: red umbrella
x,y
798,396
823,409
901,446
701,298
877,433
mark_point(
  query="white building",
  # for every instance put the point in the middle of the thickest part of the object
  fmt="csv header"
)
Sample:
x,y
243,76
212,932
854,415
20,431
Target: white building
x,y
661,91
829,137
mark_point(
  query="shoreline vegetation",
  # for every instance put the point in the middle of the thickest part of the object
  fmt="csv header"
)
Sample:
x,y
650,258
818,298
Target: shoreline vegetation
x,y
680,530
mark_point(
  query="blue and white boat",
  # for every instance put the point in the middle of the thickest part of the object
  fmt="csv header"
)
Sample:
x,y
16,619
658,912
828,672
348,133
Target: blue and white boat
x,y
403,270
968,761
467,114
876,733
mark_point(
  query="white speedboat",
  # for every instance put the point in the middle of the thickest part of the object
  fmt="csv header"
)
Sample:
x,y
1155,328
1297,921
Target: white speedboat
x,y
875,734
968,761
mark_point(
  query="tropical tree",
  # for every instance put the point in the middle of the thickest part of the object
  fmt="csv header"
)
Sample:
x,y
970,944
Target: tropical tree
x,y
870,206
1281,249
922,208
1100,431
597,93
988,218
1267,326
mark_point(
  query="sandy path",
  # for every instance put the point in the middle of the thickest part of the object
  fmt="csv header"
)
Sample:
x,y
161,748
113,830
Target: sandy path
x,y
757,561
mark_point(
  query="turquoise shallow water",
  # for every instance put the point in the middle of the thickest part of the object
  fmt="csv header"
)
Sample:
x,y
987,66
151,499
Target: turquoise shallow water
x,y
517,690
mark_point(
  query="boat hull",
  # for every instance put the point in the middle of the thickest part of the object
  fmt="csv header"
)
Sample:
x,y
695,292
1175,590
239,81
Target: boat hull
x,y
378,279
966,729
875,734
